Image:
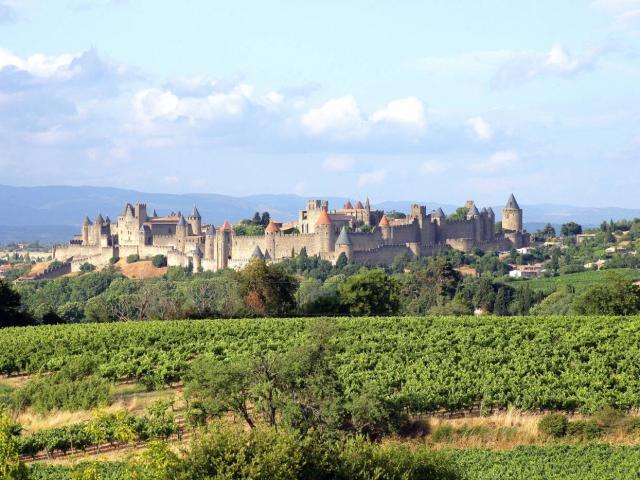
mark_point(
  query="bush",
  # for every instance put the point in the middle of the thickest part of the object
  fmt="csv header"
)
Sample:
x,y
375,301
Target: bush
x,y
159,261
113,260
554,425
585,430
133,258
87,267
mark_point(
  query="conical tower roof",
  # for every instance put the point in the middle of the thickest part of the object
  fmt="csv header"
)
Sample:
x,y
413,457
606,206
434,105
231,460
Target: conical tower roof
x,y
324,218
211,231
473,211
99,218
86,222
490,211
155,215
182,222
384,221
108,220
195,213
343,238
512,203
257,253
367,204
439,213
348,205
359,205
226,226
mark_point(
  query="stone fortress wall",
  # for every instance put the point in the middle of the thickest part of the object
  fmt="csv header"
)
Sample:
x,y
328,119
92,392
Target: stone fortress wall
x,y
363,235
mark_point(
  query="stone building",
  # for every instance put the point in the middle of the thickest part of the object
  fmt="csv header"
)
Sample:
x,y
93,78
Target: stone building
x,y
364,235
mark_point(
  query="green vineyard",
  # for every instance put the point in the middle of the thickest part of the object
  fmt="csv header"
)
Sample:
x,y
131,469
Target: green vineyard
x,y
422,364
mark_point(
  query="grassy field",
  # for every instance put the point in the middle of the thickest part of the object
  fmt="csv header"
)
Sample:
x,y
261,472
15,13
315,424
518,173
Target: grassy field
x,y
580,281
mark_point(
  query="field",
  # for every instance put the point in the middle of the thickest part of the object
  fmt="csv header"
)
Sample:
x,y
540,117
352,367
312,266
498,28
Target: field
x,y
580,281
559,462
424,364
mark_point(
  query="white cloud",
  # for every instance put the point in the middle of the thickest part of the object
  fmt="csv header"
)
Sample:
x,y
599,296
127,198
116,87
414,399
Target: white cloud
x,y
39,65
497,161
615,6
375,177
340,117
155,104
338,163
481,128
432,167
524,67
407,112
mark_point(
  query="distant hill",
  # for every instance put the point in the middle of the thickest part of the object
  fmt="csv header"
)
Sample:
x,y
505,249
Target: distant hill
x,y
53,213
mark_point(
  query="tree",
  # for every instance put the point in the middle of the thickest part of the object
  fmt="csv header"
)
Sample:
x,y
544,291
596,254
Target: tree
x,y
371,292
571,229
459,215
548,231
257,219
266,218
159,261
501,305
10,312
267,289
87,267
619,296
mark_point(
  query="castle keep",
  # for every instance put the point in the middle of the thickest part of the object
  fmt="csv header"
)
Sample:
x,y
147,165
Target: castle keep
x,y
364,235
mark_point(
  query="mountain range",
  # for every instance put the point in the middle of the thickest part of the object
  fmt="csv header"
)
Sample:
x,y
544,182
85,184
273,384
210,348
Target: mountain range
x,y
54,213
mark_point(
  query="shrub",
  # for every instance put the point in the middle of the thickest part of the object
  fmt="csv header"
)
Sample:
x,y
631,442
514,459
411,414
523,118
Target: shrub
x,y
87,267
113,260
133,258
159,261
585,430
554,425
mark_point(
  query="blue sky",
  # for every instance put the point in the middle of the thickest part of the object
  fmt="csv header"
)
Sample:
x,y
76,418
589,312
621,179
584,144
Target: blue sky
x,y
427,100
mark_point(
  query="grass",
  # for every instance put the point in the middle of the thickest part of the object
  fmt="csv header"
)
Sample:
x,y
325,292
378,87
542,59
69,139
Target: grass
x,y
579,281
132,398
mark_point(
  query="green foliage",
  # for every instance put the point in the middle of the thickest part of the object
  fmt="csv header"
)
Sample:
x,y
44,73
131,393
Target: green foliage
x,y
585,430
371,292
554,425
424,364
570,229
618,297
10,311
72,388
459,215
555,462
159,261
267,289
11,467
133,258
87,267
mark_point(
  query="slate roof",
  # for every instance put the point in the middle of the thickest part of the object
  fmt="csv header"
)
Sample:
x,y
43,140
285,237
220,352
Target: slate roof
x,y
512,203
343,238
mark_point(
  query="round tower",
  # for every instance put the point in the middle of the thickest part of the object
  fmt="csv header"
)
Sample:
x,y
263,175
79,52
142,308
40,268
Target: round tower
x,y
385,228
344,244
272,232
224,244
195,221
210,243
325,233
512,216
86,228
181,232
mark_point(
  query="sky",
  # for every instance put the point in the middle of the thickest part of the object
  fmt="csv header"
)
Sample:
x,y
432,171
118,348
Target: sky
x,y
428,100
